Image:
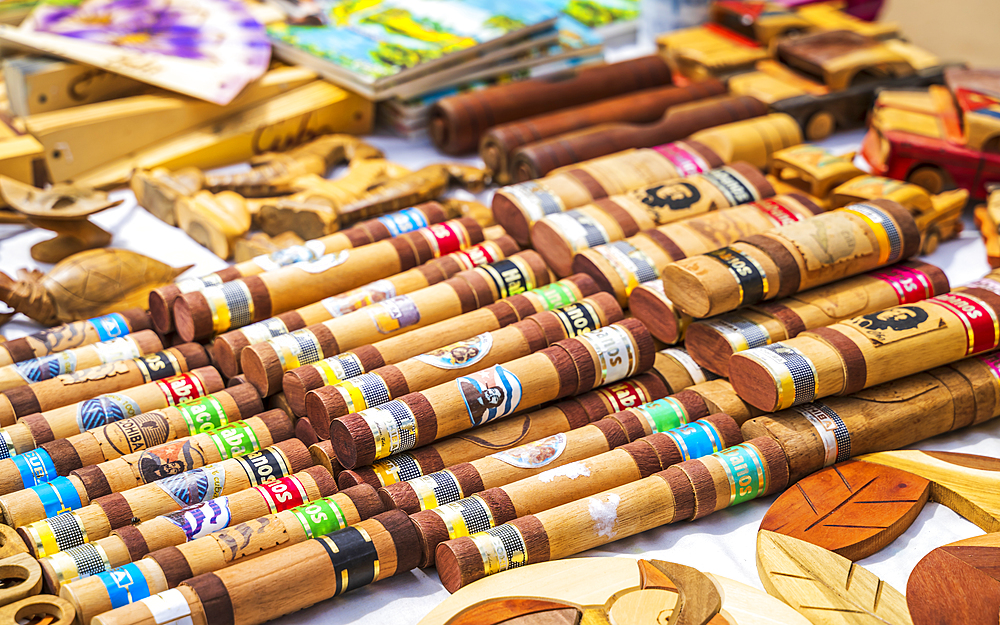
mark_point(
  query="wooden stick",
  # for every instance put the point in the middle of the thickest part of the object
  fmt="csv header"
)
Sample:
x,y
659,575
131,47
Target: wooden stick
x,y
265,363
297,382
75,334
228,347
518,206
81,385
453,361
711,342
686,491
799,256
568,368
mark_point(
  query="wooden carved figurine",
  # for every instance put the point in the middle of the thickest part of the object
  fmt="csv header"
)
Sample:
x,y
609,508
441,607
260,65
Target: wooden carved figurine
x,y
988,221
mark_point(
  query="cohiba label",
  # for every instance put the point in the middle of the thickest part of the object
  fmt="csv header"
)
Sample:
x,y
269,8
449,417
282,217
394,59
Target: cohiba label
x,y
501,548
535,200
749,275
535,454
393,426
741,333
460,354
745,469
320,517
831,429
794,375
490,394
615,352
466,516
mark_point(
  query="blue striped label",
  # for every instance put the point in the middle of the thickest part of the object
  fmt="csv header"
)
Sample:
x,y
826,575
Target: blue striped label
x,y
125,585
35,467
58,496
110,326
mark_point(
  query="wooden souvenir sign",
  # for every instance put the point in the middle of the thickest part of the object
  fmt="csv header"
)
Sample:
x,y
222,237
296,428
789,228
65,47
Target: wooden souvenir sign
x,y
957,583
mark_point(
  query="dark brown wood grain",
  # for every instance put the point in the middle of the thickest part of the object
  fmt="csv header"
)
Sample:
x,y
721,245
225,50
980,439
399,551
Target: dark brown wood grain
x,y
957,583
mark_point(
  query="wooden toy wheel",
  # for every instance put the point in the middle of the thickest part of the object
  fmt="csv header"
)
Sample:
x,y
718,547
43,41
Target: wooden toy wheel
x,y
929,177
820,126
931,241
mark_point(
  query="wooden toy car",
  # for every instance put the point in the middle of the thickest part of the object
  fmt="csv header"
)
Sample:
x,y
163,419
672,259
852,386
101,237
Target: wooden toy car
x,y
861,9
947,136
828,80
812,170
988,222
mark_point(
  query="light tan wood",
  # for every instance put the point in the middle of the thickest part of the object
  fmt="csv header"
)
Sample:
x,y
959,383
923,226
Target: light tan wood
x,y
53,610
37,84
257,244
25,575
89,601
216,221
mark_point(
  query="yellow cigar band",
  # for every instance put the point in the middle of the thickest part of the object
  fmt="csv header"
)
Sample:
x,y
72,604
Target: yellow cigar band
x,y
44,538
466,516
885,230
67,569
428,486
501,548
352,396
794,375
327,372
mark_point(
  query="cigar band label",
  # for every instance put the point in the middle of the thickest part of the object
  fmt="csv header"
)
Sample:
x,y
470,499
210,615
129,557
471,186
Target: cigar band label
x,y
466,516
322,264
663,414
236,439
623,396
231,305
578,318
992,361
986,284
264,330
778,213
204,415
745,469
169,606
555,295
195,486
280,495
125,585
794,375
124,348
741,333
340,305
502,548
143,432
436,489
393,426
46,367
490,394
58,496
631,264
339,368
615,351
35,467
364,391
831,430
749,275
292,255
890,241
693,369
296,349
686,162
510,276
109,326
401,222
202,519
321,517
398,468
79,562
579,229
696,439
394,314
194,285
981,326
460,354
265,465
445,238
58,533
733,186
478,255
181,388
910,285
105,410
535,454
535,200
354,558
7,448
157,366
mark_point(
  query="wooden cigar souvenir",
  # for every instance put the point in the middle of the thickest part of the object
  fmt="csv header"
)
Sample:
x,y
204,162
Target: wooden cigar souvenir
x,y
518,206
228,347
238,303
711,342
540,157
265,363
309,572
641,107
956,583
568,368
684,492
796,257
450,517
297,382
61,456
459,121
453,361
75,334
78,386
213,550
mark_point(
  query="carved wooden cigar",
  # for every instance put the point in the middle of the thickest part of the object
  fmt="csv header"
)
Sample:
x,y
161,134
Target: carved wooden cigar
x,y
100,517
888,416
516,207
461,358
867,350
570,482
458,122
74,334
60,456
540,157
155,462
78,386
238,303
167,567
558,237
568,368
161,300
799,256
686,491
265,363
297,382
641,107
228,347
711,342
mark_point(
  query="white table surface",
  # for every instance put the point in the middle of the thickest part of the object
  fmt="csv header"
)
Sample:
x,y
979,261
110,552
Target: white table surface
x,y
723,543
